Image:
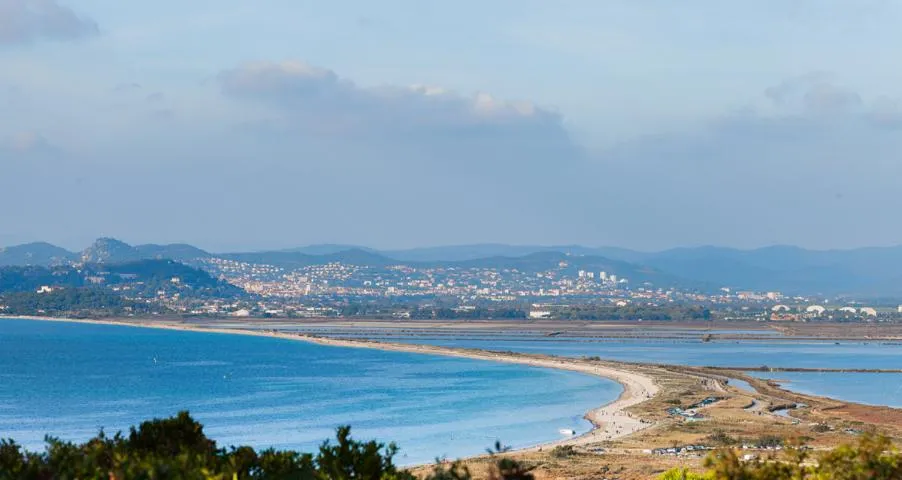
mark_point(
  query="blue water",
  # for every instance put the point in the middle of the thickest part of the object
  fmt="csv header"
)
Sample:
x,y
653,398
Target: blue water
x,y
69,380
742,385
876,389
869,388
337,331
697,353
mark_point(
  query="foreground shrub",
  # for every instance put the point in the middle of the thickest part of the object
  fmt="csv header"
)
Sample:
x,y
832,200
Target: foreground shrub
x,y
872,458
563,451
684,474
177,448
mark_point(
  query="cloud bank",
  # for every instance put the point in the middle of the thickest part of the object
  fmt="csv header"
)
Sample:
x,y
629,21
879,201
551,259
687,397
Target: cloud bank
x,y
26,21
476,139
817,166
316,157
295,154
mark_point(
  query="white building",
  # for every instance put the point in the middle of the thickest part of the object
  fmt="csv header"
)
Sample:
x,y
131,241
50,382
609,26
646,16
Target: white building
x,y
868,311
539,314
816,310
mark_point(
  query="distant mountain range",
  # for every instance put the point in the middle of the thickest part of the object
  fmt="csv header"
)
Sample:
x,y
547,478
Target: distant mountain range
x,y
875,271
459,253
103,250
143,277
38,253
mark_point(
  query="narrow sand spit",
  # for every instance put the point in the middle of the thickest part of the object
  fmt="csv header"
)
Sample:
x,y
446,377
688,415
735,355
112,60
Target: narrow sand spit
x,y
610,421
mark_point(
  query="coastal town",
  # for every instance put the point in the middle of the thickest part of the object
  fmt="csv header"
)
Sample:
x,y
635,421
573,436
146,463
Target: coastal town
x,y
320,290
112,278
217,286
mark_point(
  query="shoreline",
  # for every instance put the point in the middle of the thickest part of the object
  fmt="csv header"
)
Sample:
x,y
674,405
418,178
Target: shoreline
x,y
609,421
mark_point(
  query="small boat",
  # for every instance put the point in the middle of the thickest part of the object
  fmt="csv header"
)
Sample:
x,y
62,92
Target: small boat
x,y
567,431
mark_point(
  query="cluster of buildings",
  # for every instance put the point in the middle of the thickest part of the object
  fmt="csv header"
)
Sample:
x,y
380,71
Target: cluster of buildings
x,y
323,289
465,284
344,280
330,283
801,313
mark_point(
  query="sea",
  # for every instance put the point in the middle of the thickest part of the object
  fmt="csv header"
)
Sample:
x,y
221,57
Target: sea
x,y
726,353
70,380
883,389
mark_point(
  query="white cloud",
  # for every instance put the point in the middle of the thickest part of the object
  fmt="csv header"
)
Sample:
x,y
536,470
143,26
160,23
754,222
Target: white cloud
x,y
25,21
423,133
307,90
814,93
886,112
756,177
25,142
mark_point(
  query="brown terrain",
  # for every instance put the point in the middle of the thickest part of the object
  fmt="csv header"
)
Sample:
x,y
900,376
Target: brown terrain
x,y
739,419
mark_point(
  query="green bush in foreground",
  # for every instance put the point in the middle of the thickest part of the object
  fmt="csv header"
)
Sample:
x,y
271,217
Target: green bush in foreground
x,y
872,458
177,448
683,474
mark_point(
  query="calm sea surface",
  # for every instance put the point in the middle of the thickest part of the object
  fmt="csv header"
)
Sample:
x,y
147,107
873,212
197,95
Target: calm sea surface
x,y
697,353
69,380
868,388
875,389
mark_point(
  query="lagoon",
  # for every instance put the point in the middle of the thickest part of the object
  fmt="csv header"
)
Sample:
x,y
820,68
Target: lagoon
x,y
869,388
883,389
753,354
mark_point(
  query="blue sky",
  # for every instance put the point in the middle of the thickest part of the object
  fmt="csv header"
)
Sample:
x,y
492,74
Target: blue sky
x,y
239,125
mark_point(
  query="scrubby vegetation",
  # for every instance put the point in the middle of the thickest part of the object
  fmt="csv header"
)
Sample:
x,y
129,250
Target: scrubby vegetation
x,y
872,458
563,451
721,438
177,448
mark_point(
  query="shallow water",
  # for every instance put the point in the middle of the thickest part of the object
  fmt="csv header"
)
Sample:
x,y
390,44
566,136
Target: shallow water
x,y
807,354
876,389
869,388
742,385
69,380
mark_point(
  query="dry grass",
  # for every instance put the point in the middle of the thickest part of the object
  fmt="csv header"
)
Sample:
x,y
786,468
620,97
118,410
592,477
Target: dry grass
x,y
628,458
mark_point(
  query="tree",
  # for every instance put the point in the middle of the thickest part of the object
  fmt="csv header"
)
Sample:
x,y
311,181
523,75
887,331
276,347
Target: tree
x,y
872,458
506,468
683,474
455,471
349,459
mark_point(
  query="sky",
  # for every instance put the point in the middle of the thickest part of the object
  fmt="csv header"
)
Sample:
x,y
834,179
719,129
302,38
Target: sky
x,y
236,125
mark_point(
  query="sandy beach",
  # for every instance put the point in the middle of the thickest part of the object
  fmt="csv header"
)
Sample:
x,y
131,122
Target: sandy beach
x,y
610,421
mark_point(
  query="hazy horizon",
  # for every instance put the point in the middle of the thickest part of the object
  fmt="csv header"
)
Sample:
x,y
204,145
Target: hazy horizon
x,y
388,249
236,126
